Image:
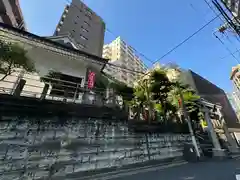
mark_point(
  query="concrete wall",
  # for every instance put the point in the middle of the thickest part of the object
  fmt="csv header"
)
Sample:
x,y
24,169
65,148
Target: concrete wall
x,y
69,149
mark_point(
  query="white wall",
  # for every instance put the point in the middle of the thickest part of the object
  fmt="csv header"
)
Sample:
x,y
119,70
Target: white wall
x,y
7,84
44,62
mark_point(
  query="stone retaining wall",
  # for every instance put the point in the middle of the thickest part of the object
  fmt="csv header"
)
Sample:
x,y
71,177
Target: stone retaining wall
x,y
39,149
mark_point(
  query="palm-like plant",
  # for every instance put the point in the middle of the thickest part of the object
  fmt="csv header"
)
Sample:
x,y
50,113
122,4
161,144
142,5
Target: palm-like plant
x,y
141,99
189,95
160,87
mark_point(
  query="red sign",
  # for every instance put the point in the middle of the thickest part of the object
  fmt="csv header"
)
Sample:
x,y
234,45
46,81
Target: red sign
x,y
91,79
180,102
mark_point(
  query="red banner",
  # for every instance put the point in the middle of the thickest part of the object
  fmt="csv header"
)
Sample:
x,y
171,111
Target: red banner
x,y
91,79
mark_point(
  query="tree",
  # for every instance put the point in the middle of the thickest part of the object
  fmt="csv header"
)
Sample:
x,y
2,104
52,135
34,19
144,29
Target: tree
x,y
160,86
13,56
123,90
142,99
189,96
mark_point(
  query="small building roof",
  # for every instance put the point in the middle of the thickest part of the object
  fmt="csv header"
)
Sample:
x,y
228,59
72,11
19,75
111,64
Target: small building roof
x,y
49,41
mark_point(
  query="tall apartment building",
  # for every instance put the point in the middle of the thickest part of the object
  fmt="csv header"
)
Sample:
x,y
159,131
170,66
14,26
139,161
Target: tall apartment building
x,y
235,96
11,14
235,77
122,54
84,26
234,100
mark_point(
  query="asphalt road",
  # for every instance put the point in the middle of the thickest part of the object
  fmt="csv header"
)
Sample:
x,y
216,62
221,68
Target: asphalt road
x,y
219,170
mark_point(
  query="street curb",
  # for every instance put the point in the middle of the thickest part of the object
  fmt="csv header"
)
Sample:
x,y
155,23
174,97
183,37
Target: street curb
x,y
127,172
128,168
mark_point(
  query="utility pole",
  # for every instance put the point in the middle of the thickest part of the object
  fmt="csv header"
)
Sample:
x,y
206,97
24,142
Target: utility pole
x,y
228,20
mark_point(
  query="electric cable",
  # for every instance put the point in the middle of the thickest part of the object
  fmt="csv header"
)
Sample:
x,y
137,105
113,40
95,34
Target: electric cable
x,y
93,60
223,32
227,48
167,53
184,41
108,30
187,38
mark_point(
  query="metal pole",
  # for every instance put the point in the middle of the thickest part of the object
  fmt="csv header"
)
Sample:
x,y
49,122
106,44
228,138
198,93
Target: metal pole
x,y
225,15
185,114
75,94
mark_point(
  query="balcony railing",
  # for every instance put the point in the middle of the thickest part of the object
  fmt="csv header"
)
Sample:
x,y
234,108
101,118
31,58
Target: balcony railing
x,y
58,90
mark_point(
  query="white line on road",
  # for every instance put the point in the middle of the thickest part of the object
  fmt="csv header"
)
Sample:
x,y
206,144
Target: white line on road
x,y
237,176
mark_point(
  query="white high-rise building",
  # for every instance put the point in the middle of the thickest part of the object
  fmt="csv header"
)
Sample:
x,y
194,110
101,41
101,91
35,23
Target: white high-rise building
x,y
121,54
235,102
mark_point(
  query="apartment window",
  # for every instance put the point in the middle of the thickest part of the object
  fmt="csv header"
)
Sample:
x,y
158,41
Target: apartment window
x,y
84,30
83,37
89,16
82,46
88,13
86,23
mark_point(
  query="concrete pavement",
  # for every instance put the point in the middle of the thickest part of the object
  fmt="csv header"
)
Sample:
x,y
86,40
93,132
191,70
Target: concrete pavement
x,y
219,170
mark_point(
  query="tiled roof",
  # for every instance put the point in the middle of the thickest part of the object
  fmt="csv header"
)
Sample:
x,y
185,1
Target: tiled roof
x,y
51,43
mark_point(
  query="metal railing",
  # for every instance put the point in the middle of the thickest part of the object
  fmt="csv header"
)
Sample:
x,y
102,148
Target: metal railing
x,y
58,90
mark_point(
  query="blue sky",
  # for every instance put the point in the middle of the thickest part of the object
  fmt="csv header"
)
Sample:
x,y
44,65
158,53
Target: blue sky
x,y
152,27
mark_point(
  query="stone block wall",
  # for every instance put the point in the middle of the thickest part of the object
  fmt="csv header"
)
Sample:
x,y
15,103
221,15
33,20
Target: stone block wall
x,y
37,149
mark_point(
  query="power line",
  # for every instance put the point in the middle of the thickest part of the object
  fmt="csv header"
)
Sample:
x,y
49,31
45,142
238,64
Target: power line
x,y
141,54
181,43
108,30
226,35
187,39
238,50
225,15
93,60
227,48
208,4
178,45
223,33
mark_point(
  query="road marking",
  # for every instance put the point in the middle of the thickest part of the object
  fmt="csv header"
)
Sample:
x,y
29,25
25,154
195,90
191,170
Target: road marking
x,y
237,176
